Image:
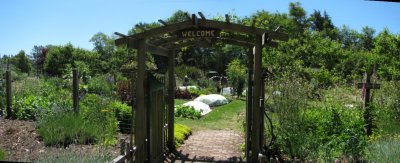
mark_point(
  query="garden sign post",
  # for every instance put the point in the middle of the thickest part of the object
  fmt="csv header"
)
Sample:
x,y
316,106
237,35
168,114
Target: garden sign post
x,y
8,93
366,87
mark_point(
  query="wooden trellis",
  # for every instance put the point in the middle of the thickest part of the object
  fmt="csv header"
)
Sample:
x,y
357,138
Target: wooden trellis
x,y
164,41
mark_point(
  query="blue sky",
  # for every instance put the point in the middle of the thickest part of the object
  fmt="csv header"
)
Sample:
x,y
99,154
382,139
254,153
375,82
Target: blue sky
x,y
25,23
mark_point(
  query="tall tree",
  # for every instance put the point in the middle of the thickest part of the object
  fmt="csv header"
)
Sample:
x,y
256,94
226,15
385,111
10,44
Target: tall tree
x,y
39,55
298,15
323,24
58,59
367,38
103,44
21,61
349,38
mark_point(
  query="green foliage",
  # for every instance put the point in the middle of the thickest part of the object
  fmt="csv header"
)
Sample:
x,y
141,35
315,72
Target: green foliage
x,y
96,123
34,98
2,154
388,103
21,62
200,91
324,130
101,85
187,112
191,72
384,150
123,112
98,109
57,59
237,76
66,128
70,155
181,132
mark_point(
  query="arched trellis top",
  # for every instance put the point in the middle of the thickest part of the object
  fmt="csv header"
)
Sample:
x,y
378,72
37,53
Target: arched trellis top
x,y
201,23
156,46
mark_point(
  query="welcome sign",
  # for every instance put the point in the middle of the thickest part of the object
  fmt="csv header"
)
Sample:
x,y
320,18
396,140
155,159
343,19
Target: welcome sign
x,y
197,33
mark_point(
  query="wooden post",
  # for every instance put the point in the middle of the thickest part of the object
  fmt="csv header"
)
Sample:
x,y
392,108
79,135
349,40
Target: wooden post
x,y
262,111
75,90
140,119
122,145
9,94
255,135
249,102
262,158
171,96
366,87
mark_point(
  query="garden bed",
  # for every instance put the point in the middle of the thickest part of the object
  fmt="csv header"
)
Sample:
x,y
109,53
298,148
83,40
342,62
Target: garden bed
x,y
21,142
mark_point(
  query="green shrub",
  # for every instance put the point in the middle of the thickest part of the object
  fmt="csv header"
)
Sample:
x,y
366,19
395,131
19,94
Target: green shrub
x,y
322,131
191,72
2,154
197,92
384,150
67,128
75,156
187,112
99,110
34,98
123,112
181,132
100,85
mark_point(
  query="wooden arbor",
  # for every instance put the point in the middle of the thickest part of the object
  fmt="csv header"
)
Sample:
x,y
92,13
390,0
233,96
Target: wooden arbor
x,y
196,32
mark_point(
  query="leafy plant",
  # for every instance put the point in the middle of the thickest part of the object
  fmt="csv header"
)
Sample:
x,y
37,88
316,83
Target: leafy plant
x,y
181,132
187,112
2,154
237,76
98,110
384,150
123,112
101,85
34,98
67,128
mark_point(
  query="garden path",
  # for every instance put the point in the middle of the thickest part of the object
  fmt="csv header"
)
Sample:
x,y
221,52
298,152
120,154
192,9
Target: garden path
x,y
211,146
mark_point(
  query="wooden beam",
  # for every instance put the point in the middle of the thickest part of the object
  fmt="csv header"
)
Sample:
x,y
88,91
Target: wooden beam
x,y
255,139
141,27
249,102
188,17
140,124
237,43
162,22
134,44
202,16
121,41
271,44
253,23
170,99
119,34
162,30
227,18
194,20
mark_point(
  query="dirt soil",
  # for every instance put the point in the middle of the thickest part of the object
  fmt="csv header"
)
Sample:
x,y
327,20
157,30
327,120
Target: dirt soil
x,y
21,142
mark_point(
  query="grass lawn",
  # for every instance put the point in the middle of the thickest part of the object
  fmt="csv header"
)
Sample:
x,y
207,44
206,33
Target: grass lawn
x,y
223,117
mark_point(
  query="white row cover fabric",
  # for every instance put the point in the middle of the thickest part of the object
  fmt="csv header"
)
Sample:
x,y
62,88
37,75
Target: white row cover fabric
x,y
212,99
227,91
183,88
199,106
